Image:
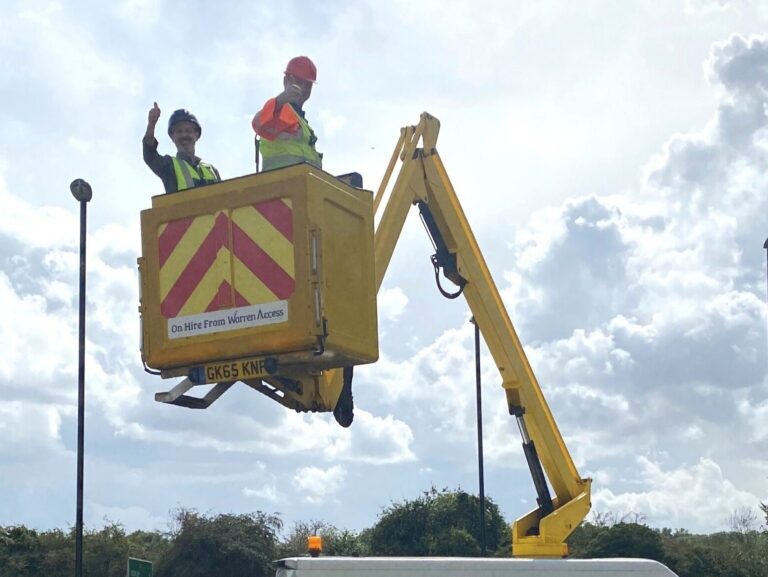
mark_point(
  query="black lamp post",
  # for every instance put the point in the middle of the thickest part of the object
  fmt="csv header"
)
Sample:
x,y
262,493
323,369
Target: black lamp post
x,y
765,246
479,404
82,192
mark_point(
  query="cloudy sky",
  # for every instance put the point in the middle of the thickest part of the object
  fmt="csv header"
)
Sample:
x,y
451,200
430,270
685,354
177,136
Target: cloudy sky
x,y
611,157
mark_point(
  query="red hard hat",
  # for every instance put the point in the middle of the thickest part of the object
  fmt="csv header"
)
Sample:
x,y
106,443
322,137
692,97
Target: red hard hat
x,y
303,68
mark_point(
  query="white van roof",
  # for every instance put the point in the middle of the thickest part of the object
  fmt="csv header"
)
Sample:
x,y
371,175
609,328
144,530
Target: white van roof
x,y
467,567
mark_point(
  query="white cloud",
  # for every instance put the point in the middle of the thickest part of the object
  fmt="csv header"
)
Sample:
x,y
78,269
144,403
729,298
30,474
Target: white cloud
x,y
30,431
143,14
39,326
267,492
239,433
371,440
134,517
316,485
392,303
39,227
62,47
641,306
698,496
647,315
376,441
708,6
31,337
756,414
331,123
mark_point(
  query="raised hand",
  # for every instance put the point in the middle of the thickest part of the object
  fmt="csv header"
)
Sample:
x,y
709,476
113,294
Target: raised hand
x,y
154,114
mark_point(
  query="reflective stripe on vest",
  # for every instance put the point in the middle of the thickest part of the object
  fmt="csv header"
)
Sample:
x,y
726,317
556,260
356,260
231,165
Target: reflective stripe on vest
x,y
187,176
288,149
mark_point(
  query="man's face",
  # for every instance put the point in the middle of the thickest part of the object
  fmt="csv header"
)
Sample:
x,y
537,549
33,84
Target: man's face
x,y
304,85
184,135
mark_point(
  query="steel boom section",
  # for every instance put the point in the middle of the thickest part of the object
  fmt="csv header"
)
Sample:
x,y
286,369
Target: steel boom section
x,y
422,177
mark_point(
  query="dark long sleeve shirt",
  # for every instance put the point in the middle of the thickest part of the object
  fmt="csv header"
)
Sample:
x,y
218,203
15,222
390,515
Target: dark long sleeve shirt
x,y
162,165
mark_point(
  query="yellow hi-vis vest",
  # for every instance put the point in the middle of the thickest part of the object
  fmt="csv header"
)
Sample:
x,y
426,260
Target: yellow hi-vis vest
x,y
189,176
287,148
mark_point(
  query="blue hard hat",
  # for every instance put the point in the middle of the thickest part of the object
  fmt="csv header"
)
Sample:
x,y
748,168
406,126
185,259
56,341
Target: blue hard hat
x,y
181,115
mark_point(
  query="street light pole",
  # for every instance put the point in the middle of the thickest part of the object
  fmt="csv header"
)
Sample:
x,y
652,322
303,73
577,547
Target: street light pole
x,y
479,404
82,192
765,246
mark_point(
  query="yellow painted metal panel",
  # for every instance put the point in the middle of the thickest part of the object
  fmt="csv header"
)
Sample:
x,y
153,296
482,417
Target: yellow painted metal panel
x,y
263,233
251,286
227,272
182,254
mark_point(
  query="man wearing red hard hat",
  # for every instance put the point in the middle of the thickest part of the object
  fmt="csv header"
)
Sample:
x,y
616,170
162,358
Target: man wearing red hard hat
x,y
286,137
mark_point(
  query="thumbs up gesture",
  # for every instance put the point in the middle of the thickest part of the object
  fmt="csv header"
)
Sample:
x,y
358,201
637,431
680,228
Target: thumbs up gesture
x,y
154,114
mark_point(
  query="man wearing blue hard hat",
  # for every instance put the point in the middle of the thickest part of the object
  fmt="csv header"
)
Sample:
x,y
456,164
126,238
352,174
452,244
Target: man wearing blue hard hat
x,y
185,170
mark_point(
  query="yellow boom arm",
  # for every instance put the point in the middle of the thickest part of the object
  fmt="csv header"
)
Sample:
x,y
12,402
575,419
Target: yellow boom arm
x,y
200,282
423,181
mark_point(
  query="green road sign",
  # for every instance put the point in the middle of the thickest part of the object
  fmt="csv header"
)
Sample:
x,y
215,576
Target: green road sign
x,y
139,568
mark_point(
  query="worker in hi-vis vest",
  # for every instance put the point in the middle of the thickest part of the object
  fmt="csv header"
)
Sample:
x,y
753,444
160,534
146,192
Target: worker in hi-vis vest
x,y
185,170
286,137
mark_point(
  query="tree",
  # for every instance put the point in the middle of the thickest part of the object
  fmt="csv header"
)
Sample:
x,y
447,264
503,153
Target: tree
x,y
105,551
20,552
148,545
441,523
336,542
582,538
58,553
747,547
29,553
698,561
205,546
691,555
742,520
625,540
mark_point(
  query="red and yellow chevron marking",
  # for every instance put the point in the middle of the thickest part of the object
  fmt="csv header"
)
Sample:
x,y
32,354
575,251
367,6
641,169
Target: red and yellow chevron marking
x,y
217,261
